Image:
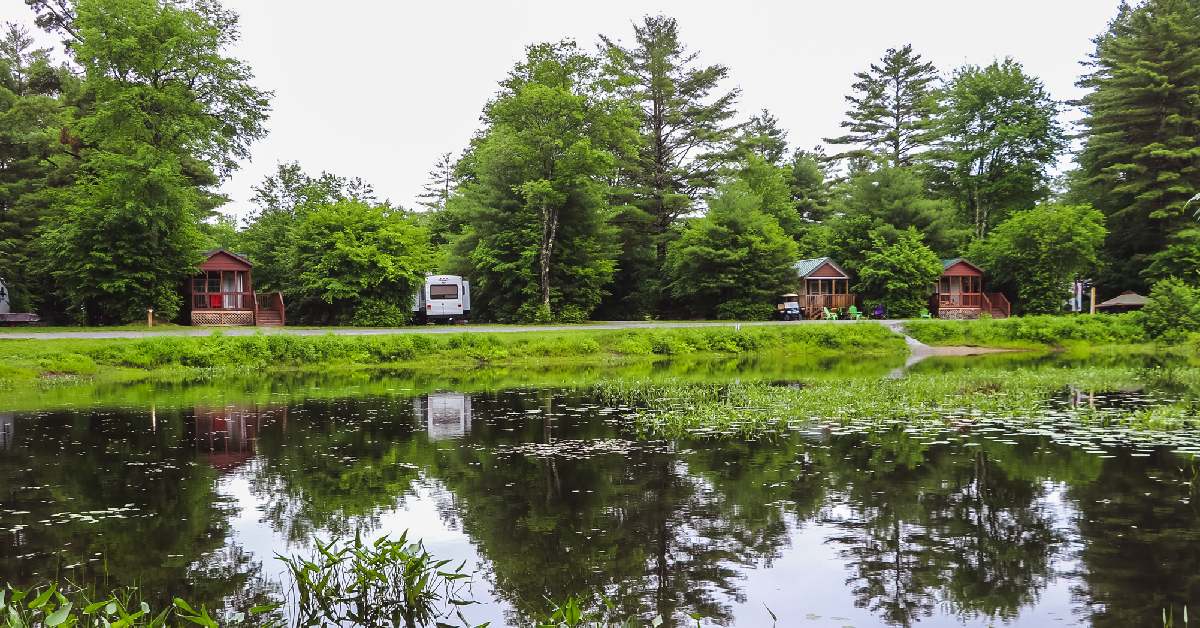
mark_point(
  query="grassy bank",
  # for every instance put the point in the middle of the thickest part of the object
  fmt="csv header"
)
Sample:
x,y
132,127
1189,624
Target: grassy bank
x,y
32,362
1028,332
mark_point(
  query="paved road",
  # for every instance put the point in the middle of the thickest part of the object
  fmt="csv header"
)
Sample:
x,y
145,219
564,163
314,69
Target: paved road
x,y
360,331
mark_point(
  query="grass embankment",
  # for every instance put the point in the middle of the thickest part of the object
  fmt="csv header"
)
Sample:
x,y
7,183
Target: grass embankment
x,y
28,362
1032,332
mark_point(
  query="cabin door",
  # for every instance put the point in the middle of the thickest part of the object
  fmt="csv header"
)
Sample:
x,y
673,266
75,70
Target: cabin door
x,y
233,284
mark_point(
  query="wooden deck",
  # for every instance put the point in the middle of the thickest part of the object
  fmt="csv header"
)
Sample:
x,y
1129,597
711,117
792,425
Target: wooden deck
x,y
814,305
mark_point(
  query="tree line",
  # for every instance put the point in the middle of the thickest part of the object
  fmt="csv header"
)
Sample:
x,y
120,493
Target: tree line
x,y
614,180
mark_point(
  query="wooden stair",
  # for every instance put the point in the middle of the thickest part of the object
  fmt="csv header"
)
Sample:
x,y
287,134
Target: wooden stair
x,y
269,310
268,318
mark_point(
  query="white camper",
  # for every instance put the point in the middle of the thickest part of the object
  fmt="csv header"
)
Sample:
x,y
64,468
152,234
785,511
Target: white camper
x,y
4,306
443,298
444,414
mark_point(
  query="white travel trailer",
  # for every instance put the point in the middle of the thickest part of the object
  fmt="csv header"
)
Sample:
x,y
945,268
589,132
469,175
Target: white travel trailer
x,y
444,414
443,298
4,306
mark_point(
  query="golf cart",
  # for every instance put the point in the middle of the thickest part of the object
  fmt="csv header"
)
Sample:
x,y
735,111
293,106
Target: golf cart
x,y
788,308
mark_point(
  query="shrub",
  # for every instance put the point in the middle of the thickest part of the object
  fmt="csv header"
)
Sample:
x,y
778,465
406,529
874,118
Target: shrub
x,y
1173,310
745,310
378,313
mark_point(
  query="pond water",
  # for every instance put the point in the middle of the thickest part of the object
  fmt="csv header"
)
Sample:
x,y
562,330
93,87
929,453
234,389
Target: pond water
x,y
548,492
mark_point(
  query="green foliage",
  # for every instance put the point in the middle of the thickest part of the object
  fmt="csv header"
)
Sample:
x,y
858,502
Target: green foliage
x,y
1031,331
382,583
49,606
538,241
1180,258
281,202
891,113
349,255
769,182
168,111
1040,251
734,255
897,196
900,273
1139,161
684,126
999,134
1173,310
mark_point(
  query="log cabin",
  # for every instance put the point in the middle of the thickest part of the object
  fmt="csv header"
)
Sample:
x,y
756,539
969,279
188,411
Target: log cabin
x,y
823,284
222,293
959,293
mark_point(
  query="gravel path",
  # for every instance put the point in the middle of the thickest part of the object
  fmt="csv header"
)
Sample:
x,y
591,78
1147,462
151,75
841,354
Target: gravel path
x,y
426,329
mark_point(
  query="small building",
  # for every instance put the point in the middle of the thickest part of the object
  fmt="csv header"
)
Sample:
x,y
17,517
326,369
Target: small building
x,y
959,293
9,317
823,284
222,293
1125,302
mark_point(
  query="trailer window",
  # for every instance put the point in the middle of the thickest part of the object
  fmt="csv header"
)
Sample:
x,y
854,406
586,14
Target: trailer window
x,y
443,291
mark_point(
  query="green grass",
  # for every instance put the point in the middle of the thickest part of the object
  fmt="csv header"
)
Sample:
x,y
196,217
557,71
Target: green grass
x,y
38,362
1031,331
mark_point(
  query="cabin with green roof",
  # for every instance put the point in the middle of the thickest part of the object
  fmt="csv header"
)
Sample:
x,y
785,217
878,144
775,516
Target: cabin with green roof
x,y
823,284
959,293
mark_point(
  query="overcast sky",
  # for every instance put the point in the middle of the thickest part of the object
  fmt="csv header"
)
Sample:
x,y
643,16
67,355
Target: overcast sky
x,y
379,89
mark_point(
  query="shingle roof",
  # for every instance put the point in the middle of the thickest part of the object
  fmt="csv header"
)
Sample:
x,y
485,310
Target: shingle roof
x,y
805,267
1125,299
947,263
211,252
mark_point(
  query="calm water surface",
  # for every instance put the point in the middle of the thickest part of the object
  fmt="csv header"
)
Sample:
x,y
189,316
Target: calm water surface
x,y
549,493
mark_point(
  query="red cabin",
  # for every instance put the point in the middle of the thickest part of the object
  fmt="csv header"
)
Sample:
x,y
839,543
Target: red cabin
x,y
222,293
959,293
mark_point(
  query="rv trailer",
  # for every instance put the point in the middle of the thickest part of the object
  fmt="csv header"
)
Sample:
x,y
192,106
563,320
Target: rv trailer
x,y
442,298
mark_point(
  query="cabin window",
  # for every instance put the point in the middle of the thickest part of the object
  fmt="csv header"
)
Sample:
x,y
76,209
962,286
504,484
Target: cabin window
x,y
443,291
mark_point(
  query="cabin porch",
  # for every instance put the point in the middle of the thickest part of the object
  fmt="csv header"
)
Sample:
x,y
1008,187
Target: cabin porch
x,y
222,294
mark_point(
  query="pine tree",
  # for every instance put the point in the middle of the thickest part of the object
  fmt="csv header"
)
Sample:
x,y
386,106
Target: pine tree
x,y
761,137
440,185
1141,157
685,132
892,108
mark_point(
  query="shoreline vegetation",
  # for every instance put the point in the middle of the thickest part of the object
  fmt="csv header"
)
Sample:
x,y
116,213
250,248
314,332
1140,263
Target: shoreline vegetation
x,y
25,363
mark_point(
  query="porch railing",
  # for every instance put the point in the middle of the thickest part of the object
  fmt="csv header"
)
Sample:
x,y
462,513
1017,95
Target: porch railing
x,y
962,299
815,304
997,302
223,300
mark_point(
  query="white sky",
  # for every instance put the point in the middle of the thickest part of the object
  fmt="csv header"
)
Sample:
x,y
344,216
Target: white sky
x,y
379,89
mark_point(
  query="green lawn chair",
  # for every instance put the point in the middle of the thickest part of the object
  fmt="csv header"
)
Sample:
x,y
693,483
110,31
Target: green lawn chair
x,y
854,314
925,313
830,315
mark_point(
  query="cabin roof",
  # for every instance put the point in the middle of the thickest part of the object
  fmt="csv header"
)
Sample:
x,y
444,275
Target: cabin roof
x,y
214,254
947,264
806,267
1128,298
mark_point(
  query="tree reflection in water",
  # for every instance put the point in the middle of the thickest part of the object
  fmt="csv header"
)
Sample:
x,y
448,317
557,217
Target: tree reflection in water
x,y
559,497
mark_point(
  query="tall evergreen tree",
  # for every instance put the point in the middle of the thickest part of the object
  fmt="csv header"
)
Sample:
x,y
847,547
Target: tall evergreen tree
x,y
440,185
685,127
538,241
999,136
892,108
34,107
1140,160
761,137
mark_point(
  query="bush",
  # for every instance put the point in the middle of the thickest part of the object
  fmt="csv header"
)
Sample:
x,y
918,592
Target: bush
x,y
378,313
1173,310
745,310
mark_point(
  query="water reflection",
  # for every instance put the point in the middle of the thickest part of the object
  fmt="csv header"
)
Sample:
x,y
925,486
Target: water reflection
x,y
552,494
